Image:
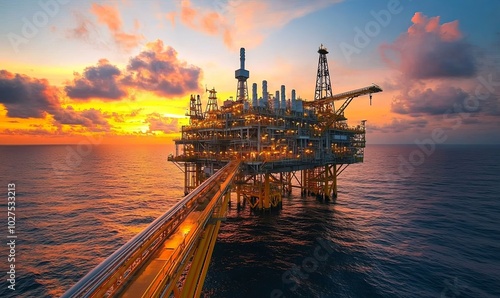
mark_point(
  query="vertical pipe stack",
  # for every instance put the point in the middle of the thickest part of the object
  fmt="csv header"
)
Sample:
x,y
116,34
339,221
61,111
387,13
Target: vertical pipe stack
x,y
276,105
254,95
265,95
283,98
294,101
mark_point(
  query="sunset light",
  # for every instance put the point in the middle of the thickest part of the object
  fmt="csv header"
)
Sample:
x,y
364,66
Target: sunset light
x,y
250,148
125,71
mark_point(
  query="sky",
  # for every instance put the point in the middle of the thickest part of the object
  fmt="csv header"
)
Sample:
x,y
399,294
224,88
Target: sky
x,y
123,71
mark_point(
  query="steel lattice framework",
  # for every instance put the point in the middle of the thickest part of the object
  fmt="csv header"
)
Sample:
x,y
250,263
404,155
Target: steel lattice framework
x,y
323,83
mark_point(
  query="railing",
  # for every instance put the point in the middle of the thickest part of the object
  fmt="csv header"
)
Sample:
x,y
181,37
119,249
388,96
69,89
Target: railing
x,y
163,280
305,155
117,269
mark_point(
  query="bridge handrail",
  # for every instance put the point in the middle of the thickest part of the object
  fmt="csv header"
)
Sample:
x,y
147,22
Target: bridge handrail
x,y
100,274
157,281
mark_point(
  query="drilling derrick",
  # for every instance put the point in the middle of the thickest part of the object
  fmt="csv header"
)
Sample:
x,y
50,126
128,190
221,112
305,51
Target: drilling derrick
x,y
212,105
323,83
195,111
280,144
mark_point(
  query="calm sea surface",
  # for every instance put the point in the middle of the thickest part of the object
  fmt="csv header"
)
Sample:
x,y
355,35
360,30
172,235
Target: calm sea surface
x,y
427,229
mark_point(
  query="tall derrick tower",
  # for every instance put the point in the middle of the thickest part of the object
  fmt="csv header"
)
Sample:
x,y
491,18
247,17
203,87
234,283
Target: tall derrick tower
x,y
212,105
323,83
242,75
195,112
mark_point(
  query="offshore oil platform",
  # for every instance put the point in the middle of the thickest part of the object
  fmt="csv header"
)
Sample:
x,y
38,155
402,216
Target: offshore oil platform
x,y
258,149
282,142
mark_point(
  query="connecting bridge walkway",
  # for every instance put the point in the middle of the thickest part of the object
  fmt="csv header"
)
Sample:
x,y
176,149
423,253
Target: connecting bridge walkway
x,y
154,263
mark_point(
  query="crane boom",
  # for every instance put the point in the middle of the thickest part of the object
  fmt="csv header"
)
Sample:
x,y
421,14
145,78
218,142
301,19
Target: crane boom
x,y
349,94
336,115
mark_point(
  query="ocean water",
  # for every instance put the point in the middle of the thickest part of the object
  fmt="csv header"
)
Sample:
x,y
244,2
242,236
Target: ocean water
x,y
425,228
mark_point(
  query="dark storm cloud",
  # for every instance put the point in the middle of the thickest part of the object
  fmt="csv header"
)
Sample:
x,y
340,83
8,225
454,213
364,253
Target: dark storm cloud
x,y
99,81
26,97
156,69
429,101
399,125
90,118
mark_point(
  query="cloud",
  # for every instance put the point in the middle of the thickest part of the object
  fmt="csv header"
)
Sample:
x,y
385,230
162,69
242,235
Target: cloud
x,y
97,82
110,17
88,31
107,15
92,119
135,112
204,20
244,23
171,17
437,71
429,50
83,29
26,97
399,125
430,101
118,118
158,122
158,70
31,132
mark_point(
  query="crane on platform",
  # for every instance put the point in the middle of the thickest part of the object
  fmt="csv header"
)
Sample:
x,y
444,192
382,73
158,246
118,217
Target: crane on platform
x,y
335,115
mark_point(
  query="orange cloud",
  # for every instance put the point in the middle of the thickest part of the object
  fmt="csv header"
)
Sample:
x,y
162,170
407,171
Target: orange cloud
x,y
107,15
204,20
159,123
110,16
450,32
245,23
171,17
83,28
422,24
